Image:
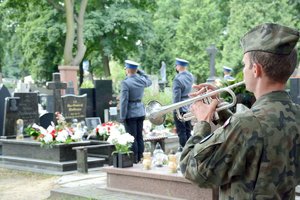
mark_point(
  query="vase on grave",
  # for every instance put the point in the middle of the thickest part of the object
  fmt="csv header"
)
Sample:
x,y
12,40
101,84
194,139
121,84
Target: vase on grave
x,y
122,160
172,165
147,160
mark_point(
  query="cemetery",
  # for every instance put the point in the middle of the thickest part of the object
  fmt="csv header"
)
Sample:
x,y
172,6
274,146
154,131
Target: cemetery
x,y
69,70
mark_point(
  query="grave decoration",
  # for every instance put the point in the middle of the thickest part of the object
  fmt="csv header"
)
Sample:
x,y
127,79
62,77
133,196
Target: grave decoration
x,y
102,131
63,132
122,156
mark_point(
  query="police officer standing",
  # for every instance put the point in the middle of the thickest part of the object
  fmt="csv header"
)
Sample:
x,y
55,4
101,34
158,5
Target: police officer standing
x,y
227,73
182,86
132,111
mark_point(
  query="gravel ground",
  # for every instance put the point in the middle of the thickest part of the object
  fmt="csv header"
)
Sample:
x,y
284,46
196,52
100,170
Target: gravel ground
x,y
20,185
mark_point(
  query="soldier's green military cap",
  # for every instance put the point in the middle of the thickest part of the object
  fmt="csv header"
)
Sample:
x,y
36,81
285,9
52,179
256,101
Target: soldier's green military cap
x,y
270,37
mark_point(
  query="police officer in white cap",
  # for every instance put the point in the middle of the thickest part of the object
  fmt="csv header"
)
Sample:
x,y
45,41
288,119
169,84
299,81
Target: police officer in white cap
x,y
182,86
227,74
132,111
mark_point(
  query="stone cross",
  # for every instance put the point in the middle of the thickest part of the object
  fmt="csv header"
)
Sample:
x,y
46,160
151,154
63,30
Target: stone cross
x,y
56,86
212,52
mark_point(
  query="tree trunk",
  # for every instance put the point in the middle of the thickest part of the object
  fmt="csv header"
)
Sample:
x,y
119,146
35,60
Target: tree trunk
x,y
70,36
69,7
81,48
105,60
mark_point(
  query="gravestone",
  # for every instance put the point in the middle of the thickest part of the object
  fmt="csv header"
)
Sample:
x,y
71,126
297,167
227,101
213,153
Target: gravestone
x,y
47,102
90,104
3,94
70,88
28,107
56,85
74,107
103,95
212,52
11,115
22,87
163,75
46,119
155,85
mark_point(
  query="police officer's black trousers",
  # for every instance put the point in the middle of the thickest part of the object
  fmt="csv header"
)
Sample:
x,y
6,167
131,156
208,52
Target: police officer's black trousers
x,y
183,129
134,126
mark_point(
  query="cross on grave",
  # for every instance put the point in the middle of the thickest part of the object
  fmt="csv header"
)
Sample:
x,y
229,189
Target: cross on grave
x,y
56,85
212,52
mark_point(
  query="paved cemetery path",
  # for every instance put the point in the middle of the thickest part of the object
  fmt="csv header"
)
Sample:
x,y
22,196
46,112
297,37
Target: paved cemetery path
x,y
20,185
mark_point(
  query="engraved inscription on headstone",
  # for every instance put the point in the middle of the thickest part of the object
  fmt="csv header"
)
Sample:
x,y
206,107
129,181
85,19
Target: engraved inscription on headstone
x,y
74,107
28,107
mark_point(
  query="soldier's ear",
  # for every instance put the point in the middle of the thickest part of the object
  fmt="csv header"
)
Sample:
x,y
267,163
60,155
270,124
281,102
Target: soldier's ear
x,y
257,70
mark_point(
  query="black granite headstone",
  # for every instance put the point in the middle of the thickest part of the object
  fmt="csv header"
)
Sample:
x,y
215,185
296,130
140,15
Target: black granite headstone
x,y
91,105
28,107
11,115
47,102
3,94
74,107
295,89
103,94
46,119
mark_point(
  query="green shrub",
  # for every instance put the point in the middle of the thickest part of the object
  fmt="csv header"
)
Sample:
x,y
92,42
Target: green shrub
x,y
87,84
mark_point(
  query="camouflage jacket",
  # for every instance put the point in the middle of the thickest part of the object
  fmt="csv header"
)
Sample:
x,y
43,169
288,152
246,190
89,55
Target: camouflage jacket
x,y
254,155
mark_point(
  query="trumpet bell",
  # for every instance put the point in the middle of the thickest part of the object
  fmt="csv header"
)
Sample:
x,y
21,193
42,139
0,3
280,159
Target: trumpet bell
x,y
151,107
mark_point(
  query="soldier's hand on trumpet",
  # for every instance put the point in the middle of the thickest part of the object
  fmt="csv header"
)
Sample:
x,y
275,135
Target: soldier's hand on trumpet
x,y
202,88
204,110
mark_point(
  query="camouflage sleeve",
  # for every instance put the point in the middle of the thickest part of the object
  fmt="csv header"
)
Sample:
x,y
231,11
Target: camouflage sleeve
x,y
213,160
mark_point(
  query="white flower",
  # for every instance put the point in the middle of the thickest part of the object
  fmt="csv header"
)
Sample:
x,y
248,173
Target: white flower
x,y
47,138
62,136
78,134
102,130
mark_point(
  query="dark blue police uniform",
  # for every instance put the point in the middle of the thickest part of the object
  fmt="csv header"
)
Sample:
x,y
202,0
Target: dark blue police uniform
x,y
132,111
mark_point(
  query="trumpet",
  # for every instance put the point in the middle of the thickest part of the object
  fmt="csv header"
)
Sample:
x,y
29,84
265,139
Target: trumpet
x,y
156,113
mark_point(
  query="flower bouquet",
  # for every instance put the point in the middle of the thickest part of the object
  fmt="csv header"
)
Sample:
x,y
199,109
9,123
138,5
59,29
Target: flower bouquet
x,y
122,156
103,131
60,133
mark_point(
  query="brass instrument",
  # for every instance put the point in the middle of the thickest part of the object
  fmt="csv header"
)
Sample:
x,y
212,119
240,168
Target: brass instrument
x,y
156,113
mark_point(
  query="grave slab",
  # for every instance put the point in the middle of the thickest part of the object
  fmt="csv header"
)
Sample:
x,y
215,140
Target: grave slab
x,y
28,153
157,182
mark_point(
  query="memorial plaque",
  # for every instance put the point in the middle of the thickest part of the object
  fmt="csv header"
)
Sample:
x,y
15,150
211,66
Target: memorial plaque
x,y
74,107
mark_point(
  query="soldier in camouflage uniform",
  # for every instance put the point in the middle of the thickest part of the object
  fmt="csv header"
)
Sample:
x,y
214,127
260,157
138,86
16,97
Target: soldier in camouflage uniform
x,y
256,153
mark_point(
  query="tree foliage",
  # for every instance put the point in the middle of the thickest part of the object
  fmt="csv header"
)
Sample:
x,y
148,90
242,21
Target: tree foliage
x,y
33,33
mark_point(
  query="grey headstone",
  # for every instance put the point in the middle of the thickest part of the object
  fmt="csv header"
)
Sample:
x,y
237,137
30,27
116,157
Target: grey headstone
x,y
3,94
74,107
70,88
46,119
28,107
11,115
212,52
56,85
